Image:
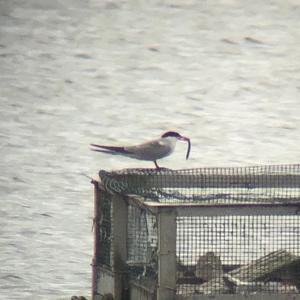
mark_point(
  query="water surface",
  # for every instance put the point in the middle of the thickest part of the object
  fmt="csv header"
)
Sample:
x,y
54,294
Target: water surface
x,y
225,73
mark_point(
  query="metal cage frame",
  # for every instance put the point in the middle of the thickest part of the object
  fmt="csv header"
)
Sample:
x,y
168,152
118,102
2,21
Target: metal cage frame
x,y
115,281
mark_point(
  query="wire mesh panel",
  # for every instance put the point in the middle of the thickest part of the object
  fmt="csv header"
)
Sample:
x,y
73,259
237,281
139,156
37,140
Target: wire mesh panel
x,y
141,242
106,224
261,184
251,246
238,254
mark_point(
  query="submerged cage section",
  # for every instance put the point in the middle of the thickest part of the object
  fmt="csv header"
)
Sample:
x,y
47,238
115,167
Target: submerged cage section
x,y
229,233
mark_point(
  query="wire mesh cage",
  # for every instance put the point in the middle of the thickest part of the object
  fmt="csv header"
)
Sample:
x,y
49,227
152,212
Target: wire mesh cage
x,y
238,254
141,242
202,232
276,184
105,234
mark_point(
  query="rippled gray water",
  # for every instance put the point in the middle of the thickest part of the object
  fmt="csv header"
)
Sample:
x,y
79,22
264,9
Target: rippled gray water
x,y
226,73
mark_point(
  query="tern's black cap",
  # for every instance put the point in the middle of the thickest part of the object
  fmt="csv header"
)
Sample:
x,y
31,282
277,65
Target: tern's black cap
x,y
171,133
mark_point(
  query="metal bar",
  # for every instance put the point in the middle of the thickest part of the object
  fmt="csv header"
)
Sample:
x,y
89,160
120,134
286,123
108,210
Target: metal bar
x,y
240,297
202,209
158,205
97,244
237,210
221,181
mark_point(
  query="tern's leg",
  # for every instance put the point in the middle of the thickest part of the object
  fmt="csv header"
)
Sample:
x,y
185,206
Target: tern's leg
x,y
160,168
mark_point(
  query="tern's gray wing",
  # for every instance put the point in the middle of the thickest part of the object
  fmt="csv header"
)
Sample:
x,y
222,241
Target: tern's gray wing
x,y
152,150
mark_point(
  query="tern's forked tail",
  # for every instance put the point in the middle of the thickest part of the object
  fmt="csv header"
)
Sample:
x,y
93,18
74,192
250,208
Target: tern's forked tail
x,y
108,149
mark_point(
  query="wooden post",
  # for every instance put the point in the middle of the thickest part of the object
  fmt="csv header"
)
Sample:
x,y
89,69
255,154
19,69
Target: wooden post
x,y
166,255
97,246
119,244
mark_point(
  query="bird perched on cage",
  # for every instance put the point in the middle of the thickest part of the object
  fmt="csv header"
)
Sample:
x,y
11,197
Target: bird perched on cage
x,y
149,151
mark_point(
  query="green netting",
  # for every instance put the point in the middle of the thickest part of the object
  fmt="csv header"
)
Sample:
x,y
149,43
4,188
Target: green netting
x,y
262,252
259,184
106,223
240,252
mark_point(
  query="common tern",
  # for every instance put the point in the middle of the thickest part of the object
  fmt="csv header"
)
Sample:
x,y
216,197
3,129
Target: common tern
x,y
150,151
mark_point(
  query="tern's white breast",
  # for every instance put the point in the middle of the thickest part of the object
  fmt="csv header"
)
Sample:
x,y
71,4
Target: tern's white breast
x,y
168,145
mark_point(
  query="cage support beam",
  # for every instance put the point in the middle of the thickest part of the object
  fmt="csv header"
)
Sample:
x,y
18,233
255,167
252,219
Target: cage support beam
x,y
238,210
166,255
196,209
204,209
240,297
119,245
231,181
97,244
